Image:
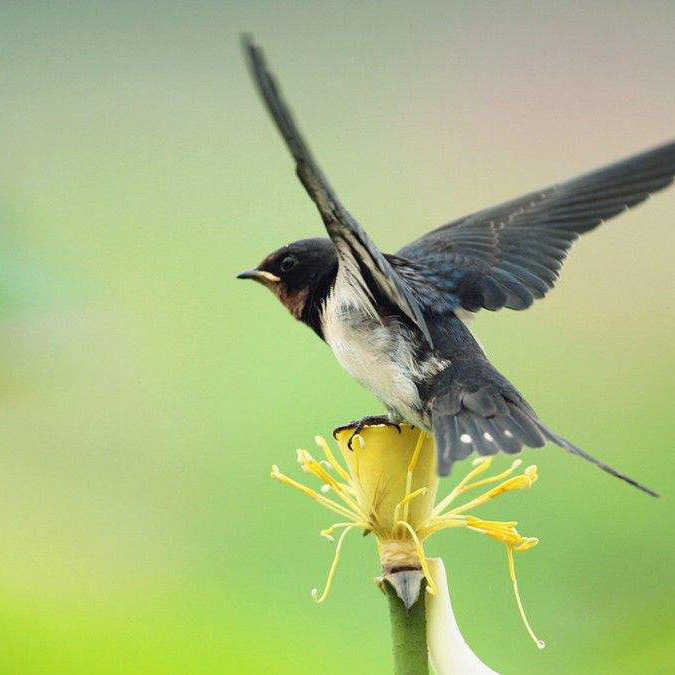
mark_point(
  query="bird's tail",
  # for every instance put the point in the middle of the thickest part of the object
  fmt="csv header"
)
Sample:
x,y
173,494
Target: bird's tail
x,y
570,447
496,418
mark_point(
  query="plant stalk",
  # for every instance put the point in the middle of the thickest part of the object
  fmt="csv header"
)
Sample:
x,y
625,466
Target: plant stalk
x,y
408,632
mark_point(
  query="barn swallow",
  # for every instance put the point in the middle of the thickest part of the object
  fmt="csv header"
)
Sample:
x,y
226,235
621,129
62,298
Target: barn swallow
x,y
397,323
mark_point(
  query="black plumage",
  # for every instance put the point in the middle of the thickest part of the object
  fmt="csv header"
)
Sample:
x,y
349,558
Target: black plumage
x,y
394,321
510,255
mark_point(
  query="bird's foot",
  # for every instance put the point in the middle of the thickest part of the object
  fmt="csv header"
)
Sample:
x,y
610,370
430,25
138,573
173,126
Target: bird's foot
x,y
358,426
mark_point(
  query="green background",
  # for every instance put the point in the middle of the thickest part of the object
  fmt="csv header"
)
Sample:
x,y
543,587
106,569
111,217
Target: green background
x,y
144,392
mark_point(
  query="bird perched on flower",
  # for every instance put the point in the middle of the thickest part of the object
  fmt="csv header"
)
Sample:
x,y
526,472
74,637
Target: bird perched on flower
x,y
389,488
396,322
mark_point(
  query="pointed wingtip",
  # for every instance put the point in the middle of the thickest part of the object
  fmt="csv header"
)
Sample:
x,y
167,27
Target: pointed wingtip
x,y
252,53
246,40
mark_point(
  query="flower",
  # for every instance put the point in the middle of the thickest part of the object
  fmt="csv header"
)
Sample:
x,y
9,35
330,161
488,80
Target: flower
x,y
389,487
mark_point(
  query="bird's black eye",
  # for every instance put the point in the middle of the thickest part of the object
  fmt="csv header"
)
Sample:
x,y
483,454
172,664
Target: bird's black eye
x,y
288,263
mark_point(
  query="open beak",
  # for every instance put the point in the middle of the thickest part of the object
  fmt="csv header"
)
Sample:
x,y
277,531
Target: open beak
x,y
260,276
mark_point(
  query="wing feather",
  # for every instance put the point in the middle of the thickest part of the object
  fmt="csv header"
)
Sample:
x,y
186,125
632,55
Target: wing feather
x,y
353,245
511,254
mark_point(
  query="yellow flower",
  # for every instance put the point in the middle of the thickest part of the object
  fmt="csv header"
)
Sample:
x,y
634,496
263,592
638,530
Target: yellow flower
x,y
389,487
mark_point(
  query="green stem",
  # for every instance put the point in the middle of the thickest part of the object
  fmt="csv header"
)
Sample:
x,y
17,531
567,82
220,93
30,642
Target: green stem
x,y
408,633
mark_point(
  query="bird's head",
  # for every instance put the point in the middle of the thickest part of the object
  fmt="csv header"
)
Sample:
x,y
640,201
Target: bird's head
x,y
294,271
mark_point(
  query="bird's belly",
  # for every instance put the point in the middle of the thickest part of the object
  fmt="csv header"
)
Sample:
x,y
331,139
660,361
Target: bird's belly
x,y
378,355
377,371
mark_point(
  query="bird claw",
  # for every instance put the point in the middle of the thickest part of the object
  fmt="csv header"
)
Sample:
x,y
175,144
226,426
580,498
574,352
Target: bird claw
x,y
359,425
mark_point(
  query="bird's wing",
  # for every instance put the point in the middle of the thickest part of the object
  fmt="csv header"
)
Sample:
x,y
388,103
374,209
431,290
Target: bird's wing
x,y
365,261
511,254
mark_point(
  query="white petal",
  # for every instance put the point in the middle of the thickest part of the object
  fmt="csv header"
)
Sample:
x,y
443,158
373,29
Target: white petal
x,y
448,651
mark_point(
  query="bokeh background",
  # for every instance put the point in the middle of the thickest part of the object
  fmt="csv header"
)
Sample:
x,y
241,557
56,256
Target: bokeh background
x,y
144,392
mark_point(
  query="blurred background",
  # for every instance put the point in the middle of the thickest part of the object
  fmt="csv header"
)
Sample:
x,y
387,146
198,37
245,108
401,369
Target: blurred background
x,y
145,392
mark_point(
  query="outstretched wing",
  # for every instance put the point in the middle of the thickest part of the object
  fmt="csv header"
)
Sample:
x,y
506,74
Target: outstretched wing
x,y
511,254
355,249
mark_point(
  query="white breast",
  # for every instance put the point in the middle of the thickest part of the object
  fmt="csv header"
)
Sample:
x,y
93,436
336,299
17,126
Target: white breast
x,y
379,354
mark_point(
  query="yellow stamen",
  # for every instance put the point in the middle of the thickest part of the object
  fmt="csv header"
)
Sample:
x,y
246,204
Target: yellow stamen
x,y
531,472
407,499
441,523
497,477
333,567
309,464
328,532
328,503
431,586
515,483
480,466
409,475
502,531
321,442
528,542
512,570
357,465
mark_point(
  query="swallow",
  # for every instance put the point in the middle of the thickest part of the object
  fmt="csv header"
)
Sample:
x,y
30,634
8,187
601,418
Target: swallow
x,y
397,322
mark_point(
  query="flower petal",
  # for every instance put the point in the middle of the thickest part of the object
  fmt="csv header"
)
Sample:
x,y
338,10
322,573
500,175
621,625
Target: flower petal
x,y
447,648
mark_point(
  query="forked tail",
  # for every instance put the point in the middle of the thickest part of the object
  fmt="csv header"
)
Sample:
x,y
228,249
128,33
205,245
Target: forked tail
x,y
494,417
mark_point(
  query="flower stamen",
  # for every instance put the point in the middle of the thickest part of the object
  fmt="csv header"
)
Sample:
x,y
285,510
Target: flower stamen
x,y
329,581
409,475
481,465
337,467
406,500
431,585
512,571
497,477
328,503
309,464
524,480
441,523
328,532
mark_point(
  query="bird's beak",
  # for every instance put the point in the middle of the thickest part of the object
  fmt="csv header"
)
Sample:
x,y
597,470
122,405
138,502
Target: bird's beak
x,y
260,276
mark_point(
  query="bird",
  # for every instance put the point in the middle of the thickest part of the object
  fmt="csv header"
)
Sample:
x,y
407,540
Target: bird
x,y
398,322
